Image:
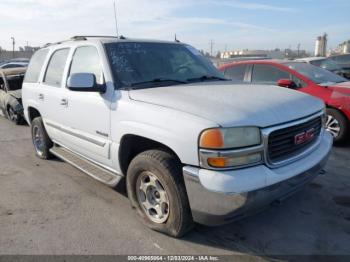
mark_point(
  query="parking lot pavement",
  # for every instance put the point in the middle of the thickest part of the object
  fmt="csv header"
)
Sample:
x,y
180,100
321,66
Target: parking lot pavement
x,y
49,207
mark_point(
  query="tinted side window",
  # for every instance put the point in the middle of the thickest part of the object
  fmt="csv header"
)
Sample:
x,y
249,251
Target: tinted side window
x,y
236,72
35,66
87,60
54,71
267,74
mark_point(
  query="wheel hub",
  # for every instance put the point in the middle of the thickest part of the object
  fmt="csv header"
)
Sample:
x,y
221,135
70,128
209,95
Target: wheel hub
x,y
152,197
333,126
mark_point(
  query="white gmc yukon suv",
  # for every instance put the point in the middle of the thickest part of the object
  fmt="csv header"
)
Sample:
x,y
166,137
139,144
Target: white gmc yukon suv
x,y
190,145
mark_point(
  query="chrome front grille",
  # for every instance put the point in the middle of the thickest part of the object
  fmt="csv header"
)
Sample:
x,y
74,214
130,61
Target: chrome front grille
x,y
288,142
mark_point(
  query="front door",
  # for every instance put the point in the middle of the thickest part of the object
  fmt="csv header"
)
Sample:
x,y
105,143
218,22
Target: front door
x,y
87,114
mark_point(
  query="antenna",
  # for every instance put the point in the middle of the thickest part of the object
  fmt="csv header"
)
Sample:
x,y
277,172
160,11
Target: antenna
x,y
115,18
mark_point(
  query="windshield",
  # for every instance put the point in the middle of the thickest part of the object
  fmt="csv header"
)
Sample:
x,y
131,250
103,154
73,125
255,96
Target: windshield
x,y
326,64
156,64
316,74
15,82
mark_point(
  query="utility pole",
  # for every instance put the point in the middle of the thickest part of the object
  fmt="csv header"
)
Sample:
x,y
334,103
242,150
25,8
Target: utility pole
x,y
13,47
115,18
211,47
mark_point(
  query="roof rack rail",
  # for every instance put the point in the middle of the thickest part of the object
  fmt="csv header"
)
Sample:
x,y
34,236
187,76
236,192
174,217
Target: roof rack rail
x,y
78,37
83,37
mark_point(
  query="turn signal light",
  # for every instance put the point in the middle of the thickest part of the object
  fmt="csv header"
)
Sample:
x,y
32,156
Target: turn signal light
x,y
211,138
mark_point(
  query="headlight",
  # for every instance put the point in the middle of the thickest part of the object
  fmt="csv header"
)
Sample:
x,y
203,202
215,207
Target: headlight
x,y
234,147
235,137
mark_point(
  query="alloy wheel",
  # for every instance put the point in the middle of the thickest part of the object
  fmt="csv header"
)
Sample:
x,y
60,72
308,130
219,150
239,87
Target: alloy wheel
x,y
12,115
152,197
333,126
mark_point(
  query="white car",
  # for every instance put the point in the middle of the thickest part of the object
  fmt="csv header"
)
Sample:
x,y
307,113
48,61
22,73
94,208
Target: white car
x,y
191,145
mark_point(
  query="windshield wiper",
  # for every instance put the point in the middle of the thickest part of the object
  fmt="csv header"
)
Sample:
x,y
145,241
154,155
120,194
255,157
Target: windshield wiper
x,y
158,80
206,77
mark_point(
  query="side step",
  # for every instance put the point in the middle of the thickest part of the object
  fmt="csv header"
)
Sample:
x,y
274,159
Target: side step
x,y
99,173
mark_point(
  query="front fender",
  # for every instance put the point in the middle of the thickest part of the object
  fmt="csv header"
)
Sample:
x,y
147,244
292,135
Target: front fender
x,y
175,129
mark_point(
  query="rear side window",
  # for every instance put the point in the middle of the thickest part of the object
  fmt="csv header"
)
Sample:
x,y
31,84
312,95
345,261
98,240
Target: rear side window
x,y
35,66
87,60
54,71
236,72
267,74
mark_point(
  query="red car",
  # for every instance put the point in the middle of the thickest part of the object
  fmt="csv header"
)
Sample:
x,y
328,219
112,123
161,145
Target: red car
x,y
334,90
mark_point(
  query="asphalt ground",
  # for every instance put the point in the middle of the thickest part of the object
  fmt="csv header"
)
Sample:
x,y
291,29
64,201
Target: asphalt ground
x,y
49,207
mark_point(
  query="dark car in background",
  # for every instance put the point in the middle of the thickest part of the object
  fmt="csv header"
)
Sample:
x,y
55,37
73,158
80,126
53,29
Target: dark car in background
x,y
333,89
325,63
11,94
342,61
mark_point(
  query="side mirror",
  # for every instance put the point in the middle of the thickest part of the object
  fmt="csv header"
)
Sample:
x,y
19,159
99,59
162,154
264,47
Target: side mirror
x,y
84,82
286,83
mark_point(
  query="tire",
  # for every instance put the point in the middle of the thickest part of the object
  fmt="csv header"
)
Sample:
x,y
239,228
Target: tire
x,y
41,141
167,169
13,116
337,121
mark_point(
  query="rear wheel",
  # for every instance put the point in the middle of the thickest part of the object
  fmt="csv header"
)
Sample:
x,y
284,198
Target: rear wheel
x,y
157,192
337,125
41,141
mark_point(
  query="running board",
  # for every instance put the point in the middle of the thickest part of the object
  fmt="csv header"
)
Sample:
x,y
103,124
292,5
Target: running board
x,y
97,172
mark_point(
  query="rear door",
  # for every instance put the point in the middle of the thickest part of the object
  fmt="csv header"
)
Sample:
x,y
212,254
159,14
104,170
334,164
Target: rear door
x,y
51,92
237,73
86,120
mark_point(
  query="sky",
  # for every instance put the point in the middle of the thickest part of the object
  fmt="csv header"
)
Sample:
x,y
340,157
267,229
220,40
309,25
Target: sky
x,y
231,24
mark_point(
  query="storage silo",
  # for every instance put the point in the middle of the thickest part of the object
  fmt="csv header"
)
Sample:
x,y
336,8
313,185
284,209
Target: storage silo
x,y
321,45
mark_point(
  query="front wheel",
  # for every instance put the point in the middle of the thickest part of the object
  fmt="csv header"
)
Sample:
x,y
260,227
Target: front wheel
x,y
157,192
14,116
337,125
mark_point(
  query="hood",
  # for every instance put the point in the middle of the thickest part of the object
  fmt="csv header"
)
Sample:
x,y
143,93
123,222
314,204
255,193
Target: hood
x,y
229,104
16,93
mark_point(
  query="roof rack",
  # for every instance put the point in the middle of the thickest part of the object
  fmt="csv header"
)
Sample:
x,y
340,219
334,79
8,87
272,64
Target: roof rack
x,y
83,38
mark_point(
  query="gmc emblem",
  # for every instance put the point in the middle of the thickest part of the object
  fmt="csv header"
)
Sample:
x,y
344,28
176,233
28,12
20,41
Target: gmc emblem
x,y
304,136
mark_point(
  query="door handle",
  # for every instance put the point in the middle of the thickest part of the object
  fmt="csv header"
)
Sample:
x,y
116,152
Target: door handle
x,y
64,102
41,96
